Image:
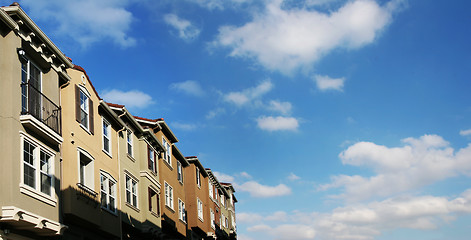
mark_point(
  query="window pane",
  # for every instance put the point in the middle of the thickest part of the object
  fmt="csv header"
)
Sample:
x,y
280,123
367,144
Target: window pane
x,y
29,176
46,184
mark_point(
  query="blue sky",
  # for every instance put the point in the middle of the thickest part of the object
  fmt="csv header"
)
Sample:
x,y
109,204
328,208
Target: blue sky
x,y
334,119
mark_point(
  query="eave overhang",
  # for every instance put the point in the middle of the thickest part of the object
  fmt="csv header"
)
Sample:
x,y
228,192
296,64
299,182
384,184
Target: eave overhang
x,y
27,29
194,160
167,131
176,152
22,219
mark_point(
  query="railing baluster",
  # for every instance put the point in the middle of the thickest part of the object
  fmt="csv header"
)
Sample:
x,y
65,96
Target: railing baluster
x,y
42,108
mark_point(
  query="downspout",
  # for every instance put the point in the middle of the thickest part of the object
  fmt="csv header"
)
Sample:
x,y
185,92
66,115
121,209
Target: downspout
x,y
61,198
120,182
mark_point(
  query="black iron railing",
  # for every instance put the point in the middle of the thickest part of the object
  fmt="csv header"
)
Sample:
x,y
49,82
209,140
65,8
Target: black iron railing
x,y
35,103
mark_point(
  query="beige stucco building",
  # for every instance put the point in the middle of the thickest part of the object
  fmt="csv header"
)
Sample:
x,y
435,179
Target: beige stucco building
x,y
32,69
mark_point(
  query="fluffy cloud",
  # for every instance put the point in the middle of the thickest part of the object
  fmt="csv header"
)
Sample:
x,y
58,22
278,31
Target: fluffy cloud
x,y
131,99
189,87
293,177
281,107
186,30
86,21
258,190
420,162
248,95
285,39
222,177
362,221
277,123
325,83
215,112
465,132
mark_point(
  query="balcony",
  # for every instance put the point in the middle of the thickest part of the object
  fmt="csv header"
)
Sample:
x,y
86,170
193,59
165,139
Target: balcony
x,y
40,114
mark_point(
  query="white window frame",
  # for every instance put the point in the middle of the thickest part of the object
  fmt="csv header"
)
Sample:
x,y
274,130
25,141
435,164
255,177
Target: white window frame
x,y
129,143
181,210
108,192
27,73
106,136
200,209
222,220
151,157
198,177
210,187
179,172
223,202
131,186
168,195
167,152
213,218
89,175
35,191
84,107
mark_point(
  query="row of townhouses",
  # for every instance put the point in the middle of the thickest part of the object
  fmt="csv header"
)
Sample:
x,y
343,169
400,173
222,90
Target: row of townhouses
x,y
76,167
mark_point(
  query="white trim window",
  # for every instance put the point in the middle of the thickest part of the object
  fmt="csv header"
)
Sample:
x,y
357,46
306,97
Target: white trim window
x,y
210,187
131,191
168,195
198,177
200,209
30,74
84,110
167,152
108,192
213,226
181,210
151,163
106,136
86,170
129,141
179,172
223,201
38,167
222,220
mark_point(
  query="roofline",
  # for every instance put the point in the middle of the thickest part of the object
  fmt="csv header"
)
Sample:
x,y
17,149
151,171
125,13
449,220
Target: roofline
x,y
112,113
28,21
180,155
81,69
197,163
128,115
8,20
168,131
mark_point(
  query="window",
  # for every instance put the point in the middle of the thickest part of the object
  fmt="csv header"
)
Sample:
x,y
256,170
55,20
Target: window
x,y
216,194
168,195
129,142
222,199
226,224
30,74
84,109
38,167
86,170
222,220
200,209
167,152
106,137
154,201
210,187
198,178
131,191
151,159
181,210
212,218
108,192
179,171
233,220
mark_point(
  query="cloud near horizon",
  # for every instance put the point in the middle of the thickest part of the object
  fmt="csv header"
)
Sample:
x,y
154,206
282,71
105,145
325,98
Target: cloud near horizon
x,y
286,39
131,99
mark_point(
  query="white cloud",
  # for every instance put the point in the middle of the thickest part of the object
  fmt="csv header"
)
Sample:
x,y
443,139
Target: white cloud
x,y
222,177
86,21
281,107
418,163
465,132
244,217
184,126
277,123
284,39
189,87
186,30
218,4
131,99
248,95
263,191
215,112
325,83
293,177
362,221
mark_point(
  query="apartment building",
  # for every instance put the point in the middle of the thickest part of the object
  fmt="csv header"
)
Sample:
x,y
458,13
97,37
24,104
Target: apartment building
x,y
172,165
32,69
231,228
197,199
81,168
